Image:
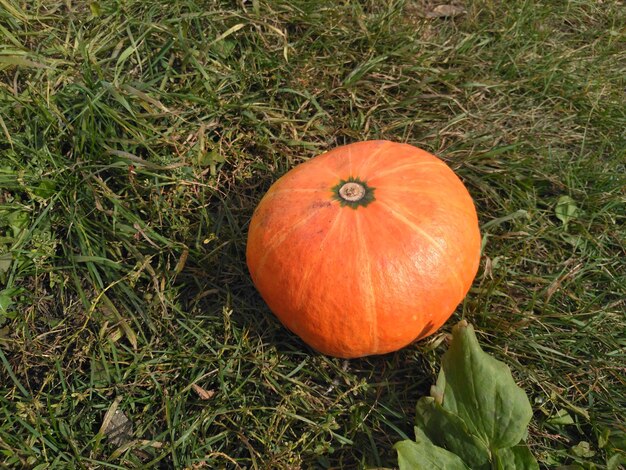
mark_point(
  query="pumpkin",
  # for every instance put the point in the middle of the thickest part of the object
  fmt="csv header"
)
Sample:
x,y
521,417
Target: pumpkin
x,y
365,248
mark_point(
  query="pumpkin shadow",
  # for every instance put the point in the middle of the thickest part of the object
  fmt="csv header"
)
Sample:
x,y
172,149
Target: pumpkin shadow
x,y
215,281
215,278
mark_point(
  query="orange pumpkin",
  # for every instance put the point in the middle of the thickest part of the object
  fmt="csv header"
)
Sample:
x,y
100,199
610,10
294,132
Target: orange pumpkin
x,y
366,248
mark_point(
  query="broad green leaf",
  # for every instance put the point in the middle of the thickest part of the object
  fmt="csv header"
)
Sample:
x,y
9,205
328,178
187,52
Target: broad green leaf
x,y
447,430
613,439
481,391
566,209
45,189
5,302
515,458
224,48
583,449
5,262
96,9
616,461
424,455
561,417
18,221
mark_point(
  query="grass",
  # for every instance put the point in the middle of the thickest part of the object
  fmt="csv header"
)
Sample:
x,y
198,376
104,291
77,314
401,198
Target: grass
x,y
135,140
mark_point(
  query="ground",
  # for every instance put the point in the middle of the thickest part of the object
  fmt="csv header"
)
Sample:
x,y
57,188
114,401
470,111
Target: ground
x,y
136,139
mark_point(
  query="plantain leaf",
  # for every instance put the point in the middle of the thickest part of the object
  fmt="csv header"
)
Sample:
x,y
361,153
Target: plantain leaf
x,y
422,454
447,430
515,458
476,416
481,391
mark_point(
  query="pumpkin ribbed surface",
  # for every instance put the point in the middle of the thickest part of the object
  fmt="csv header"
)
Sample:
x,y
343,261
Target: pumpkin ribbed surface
x,y
366,248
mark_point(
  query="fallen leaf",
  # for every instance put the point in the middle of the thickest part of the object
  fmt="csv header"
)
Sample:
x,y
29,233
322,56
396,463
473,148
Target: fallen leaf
x,y
120,429
202,393
116,426
446,11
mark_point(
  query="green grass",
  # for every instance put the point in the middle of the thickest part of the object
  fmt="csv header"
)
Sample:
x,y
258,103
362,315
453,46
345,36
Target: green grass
x,y
135,140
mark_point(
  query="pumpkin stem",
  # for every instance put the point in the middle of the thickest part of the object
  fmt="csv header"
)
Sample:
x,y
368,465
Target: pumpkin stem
x,y
352,191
